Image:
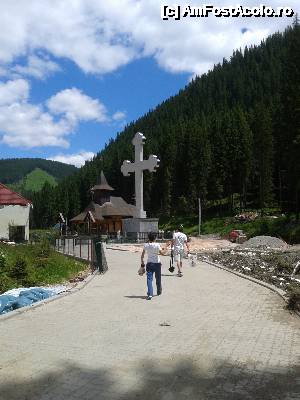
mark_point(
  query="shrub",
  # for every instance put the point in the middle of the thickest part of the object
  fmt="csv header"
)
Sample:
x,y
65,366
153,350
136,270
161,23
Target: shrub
x,y
38,235
19,270
6,283
2,261
41,263
43,248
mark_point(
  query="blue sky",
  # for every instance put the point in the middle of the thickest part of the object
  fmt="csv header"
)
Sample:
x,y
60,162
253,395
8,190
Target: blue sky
x,y
73,73
132,90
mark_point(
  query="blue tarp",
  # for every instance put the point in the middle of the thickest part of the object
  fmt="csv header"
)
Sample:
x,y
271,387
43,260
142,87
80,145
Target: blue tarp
x,y
26,297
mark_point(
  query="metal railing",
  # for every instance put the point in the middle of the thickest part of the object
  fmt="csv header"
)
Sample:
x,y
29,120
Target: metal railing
x,y
81,248
90,249
134,237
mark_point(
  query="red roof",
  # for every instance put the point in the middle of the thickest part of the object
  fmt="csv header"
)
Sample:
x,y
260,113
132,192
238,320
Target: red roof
x,y
8,197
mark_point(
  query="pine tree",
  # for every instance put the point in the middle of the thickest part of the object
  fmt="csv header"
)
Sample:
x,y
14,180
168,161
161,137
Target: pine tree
x,y
264,154
291,116
244,154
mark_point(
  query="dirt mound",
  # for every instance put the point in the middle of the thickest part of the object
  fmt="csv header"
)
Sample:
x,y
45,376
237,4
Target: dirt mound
x,y
209,243
265,242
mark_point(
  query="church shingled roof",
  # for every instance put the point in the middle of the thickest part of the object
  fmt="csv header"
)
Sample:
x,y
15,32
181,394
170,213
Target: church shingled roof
x,y
115,207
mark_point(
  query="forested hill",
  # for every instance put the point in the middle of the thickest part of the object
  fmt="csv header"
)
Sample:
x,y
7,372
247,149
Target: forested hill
x,y
12,170
232,133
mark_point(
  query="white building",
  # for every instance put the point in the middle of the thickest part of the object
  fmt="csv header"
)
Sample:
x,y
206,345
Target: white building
x,y
14,215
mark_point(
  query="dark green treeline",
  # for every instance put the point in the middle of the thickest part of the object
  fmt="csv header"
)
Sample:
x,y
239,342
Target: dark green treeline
x,y
13,170
232,135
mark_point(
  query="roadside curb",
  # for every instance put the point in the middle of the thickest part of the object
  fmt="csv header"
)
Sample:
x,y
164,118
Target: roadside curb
x,y
273,288
41,303
111,248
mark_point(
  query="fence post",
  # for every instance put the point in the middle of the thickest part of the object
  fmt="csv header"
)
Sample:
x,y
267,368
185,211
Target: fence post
x,y
98,249
93,267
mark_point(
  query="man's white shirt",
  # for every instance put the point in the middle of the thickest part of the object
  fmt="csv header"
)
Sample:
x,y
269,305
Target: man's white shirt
x,y
179,240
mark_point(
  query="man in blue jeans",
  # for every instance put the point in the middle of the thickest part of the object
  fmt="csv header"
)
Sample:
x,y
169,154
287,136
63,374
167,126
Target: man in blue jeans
x,y
153,266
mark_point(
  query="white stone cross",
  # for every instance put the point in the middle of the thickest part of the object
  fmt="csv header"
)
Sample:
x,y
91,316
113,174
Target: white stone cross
x,y
137,168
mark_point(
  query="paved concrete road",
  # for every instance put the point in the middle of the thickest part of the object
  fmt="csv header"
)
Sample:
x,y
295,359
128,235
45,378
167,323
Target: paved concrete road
x,y
228,339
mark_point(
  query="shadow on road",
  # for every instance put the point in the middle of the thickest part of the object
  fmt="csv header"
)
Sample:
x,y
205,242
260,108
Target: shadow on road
x,y
152,380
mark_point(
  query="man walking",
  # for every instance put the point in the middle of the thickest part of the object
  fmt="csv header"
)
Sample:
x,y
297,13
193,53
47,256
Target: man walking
x,y
178,242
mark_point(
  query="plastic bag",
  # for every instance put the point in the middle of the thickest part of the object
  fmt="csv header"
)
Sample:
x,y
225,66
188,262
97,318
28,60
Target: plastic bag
x,y
7,303
141,270
25,298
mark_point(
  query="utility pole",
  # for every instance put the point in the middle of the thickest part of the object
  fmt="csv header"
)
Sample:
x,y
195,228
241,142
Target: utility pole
x,y
199,208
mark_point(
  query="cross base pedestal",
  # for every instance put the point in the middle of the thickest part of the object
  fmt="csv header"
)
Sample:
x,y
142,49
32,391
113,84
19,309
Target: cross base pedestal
x,y
137,228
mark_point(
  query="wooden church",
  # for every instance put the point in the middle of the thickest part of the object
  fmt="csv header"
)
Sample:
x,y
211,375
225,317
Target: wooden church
x,y
104,214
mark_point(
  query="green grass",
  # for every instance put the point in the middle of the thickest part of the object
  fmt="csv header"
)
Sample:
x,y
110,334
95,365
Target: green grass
x,y
282,227
34,181
40,266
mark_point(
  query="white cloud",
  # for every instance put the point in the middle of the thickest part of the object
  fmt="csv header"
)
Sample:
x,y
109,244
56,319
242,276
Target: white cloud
x,y
101,36
23,124
119,116
14,91
65,29
27,125
77,106
37,67
77,159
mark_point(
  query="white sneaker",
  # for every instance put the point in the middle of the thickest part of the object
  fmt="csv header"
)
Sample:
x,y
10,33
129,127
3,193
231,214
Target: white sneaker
x,y
149,297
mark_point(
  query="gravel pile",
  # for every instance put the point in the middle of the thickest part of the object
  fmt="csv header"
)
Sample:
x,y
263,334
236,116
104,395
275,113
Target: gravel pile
x,y
264,242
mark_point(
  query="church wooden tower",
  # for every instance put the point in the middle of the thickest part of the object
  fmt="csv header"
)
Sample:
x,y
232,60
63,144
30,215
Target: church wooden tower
x,y
102,191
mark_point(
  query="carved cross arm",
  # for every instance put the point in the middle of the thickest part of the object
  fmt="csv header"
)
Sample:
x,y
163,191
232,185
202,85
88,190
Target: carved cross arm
x,y
127,167
152,163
